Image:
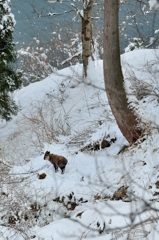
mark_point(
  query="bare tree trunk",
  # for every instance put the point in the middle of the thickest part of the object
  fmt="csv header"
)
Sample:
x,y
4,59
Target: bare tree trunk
x,y
86,33
113,76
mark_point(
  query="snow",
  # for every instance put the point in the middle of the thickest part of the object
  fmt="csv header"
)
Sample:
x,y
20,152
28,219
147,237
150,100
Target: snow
x,y
154,5
67,115
143,71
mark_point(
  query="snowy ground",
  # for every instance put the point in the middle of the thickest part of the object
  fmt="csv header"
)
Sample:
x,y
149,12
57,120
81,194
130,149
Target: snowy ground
x,y
67,116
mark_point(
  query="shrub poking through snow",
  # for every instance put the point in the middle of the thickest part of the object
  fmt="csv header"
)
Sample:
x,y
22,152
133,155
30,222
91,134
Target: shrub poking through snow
x,y
120,193
42,175
56,160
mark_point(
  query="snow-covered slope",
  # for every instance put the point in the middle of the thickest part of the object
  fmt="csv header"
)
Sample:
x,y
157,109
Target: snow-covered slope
x,y
70,116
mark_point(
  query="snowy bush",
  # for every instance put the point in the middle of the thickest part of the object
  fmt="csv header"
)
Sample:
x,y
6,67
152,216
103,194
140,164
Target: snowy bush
x,y
43,123
40,59
35,65
137,44
13,206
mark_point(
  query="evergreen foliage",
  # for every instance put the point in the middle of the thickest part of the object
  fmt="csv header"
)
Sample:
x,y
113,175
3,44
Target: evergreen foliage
x,y
9,77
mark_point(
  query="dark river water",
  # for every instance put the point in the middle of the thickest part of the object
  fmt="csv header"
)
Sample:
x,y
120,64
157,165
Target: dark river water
x,y
29,25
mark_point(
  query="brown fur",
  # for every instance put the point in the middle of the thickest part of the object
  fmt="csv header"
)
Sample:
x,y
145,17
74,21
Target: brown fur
x,y
56,160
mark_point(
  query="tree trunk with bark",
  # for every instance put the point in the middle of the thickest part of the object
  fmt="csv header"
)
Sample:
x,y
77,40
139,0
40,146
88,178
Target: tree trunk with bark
x,y
113,77
86,33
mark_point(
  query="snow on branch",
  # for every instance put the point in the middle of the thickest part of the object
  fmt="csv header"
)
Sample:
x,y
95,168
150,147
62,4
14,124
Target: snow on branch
x,y
154,5
77,55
